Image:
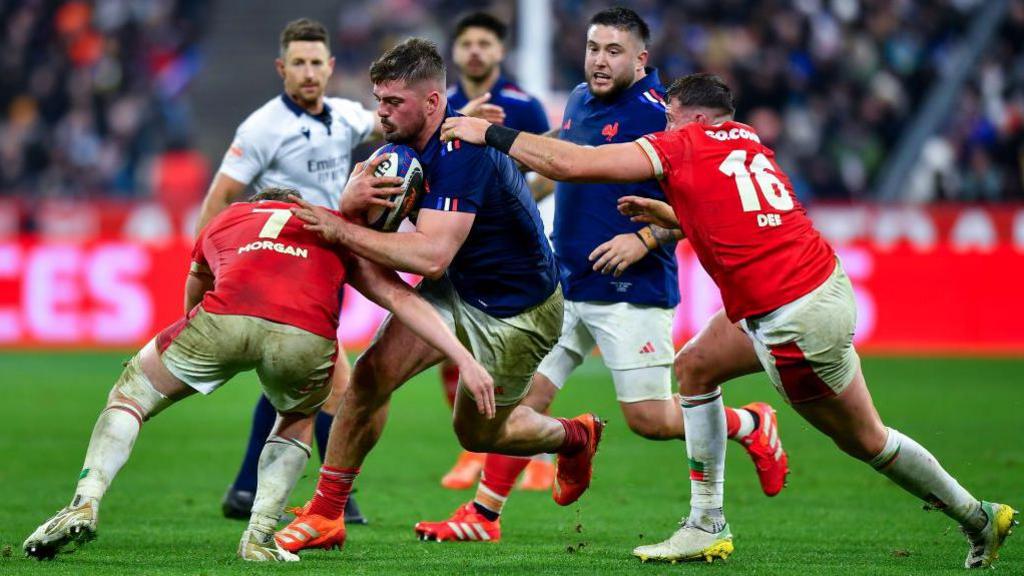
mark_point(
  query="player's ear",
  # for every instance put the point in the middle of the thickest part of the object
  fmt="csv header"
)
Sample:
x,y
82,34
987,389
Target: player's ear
x,y
279,65
330,66
641,59
433,102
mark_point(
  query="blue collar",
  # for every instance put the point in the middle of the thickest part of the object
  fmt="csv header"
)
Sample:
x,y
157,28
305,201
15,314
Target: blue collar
x,y
324,116
651,80
434,144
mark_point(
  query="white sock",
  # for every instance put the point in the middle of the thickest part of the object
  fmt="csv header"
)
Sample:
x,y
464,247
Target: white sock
x,y
913,468
282,461
704,424
746,423
109,447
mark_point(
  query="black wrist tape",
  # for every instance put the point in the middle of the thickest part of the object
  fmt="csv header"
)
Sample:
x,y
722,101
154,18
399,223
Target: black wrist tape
x,y
500,137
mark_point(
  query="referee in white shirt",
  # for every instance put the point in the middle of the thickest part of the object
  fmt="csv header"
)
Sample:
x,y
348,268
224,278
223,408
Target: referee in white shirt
x,y
302,140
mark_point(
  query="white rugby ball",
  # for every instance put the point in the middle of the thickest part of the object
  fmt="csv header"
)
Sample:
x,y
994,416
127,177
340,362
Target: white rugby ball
x,y
400,161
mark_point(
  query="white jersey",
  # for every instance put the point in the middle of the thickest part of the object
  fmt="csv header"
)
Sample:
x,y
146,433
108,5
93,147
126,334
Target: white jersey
x,y
282,145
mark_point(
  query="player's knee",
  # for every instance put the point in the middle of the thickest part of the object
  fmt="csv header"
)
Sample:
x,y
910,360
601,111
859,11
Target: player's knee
x,y
651,426
134,391
694,371
472,438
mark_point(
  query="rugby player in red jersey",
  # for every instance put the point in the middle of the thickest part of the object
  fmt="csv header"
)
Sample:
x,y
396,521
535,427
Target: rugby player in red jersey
x,y
262,294
789,307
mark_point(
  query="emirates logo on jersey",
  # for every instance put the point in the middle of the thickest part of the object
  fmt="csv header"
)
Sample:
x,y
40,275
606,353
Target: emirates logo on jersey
x,y
609,131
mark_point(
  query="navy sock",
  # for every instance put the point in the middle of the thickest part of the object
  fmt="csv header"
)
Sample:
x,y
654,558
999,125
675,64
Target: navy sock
x,y
322,430
263,418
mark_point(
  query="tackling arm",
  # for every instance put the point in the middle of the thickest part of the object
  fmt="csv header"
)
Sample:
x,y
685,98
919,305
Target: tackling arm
x,y
426,251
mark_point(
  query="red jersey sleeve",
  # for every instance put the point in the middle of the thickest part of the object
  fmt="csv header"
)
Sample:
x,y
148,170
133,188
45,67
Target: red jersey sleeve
x,y
665,150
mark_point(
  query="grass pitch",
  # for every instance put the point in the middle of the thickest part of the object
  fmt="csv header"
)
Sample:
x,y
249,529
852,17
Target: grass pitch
x,y
162,514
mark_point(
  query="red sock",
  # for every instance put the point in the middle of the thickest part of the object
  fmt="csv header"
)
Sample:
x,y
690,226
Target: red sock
x,y
576,436
332,491
732,422
450,381
500,473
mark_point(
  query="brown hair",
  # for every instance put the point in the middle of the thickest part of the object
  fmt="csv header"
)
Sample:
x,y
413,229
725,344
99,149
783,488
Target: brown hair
x,y
412,61
303,29
703,90
274,194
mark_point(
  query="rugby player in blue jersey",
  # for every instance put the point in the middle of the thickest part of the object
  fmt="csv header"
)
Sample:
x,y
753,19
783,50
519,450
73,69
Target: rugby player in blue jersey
x,y
490,273
482,89
619,280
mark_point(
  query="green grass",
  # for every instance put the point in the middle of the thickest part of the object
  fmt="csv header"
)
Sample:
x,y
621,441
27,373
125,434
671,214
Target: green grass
x,y
837,516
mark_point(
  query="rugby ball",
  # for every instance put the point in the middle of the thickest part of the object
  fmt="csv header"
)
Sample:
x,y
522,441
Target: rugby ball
x,y
400,161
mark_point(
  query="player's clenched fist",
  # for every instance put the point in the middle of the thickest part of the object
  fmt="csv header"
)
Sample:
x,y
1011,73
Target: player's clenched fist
x,y
463,128
365,189
649,211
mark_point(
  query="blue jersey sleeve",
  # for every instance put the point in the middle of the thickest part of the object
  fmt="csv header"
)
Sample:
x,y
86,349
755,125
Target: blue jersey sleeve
x,y
458,180
535,119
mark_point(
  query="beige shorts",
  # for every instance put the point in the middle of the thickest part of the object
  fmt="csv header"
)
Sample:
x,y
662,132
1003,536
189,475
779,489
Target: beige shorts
x,y
294,366
806,346
509,348
631,338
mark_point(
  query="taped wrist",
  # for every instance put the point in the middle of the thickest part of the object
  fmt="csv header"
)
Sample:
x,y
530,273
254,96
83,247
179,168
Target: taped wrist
x,y
500,138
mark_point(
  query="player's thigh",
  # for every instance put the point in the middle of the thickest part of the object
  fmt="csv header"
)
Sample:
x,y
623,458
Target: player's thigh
x,y
636,345
718,353
294,366
205,350
806,346
542,393
512,348
850,419
574,344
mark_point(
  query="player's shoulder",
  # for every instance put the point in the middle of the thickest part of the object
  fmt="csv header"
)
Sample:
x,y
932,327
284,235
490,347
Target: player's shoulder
x,y
510,91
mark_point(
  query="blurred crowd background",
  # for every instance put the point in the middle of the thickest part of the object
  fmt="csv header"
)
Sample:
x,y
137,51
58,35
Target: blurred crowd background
x,y
97,98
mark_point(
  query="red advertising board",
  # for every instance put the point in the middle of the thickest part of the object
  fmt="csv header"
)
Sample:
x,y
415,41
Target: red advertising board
x,y
115,293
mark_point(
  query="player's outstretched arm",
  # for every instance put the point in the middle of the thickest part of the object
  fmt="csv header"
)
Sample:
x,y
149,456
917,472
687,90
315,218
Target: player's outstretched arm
x,y
426,251
557,159
385,288
223,191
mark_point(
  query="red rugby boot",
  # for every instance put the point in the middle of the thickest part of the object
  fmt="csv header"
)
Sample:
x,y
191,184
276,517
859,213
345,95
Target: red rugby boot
x,y
573,471
765,449
465,525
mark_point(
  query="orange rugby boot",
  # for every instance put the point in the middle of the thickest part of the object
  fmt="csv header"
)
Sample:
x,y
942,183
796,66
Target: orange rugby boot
x,y
573,472
538,476
465,525
466,471
311,531
765,449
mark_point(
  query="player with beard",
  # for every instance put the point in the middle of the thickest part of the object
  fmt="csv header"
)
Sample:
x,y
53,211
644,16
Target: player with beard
x,y
489,271
628,313
789,306
300,139
478,49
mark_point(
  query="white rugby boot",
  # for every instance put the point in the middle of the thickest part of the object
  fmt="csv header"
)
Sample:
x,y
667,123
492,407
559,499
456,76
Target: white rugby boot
x,y
257,547
985,543
688,543
76,523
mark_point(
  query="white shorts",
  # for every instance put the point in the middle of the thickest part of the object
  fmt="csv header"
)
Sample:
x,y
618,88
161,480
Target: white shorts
x,y
205,350
635,343
806,346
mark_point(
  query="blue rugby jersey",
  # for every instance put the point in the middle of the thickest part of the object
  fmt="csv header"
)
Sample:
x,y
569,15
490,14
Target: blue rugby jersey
x,y
522,111
505,265
586,214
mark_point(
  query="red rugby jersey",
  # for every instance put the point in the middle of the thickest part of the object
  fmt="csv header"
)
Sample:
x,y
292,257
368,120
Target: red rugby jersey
x,y
738,210
266,265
